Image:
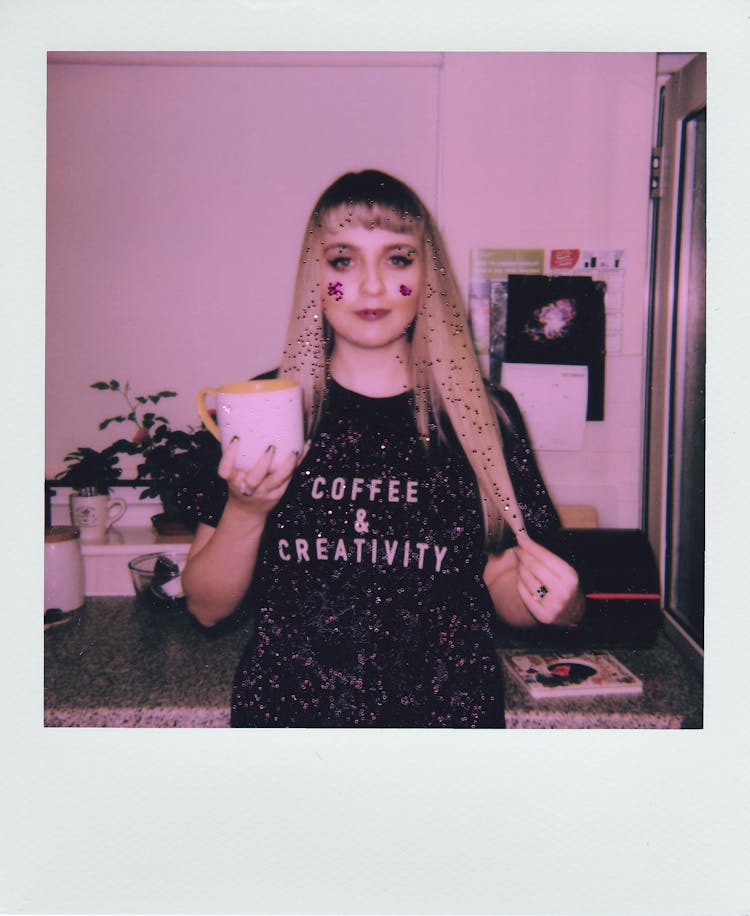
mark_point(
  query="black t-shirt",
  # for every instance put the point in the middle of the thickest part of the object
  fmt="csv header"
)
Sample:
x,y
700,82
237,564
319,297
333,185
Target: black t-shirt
x,y
368,593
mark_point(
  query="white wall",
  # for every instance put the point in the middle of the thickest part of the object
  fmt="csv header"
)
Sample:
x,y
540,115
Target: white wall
x,y
177,196
552,151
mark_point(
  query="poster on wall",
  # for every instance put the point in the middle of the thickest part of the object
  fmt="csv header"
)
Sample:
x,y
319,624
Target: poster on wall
x,y
488,297
605,265
490,270
558,321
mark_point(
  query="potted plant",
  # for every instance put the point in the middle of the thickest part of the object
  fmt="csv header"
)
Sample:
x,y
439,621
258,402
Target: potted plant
x,y
91,472
172,460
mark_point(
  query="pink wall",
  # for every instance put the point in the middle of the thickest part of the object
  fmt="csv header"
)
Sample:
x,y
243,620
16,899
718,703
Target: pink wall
x,y
553,150
176,201
178,186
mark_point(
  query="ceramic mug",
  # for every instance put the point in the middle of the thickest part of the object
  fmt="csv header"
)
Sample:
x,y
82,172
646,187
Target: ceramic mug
x,y
93,515
259,413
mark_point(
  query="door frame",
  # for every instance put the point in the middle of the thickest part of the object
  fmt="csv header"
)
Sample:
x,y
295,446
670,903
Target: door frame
x,y
683,94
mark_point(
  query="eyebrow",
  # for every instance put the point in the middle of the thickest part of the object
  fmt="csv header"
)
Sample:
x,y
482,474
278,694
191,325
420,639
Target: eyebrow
x,y
397,246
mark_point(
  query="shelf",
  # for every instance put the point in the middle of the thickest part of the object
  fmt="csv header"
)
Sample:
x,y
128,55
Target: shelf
x,y
106,565
124,540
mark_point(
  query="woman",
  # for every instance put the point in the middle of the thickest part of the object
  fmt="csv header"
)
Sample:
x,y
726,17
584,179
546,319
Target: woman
x,y
377,560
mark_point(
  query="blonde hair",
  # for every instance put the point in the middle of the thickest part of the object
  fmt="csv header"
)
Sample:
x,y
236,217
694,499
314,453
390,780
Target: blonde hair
x,y
445,373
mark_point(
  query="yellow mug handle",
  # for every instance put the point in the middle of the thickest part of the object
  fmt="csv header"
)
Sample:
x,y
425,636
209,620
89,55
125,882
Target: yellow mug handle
x,y
203,413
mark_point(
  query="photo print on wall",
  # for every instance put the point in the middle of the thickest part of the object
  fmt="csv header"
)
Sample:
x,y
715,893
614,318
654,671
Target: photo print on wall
x,y
558,321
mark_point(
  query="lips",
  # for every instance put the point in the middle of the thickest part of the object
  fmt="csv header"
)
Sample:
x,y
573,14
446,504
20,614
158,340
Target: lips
x,y
371,314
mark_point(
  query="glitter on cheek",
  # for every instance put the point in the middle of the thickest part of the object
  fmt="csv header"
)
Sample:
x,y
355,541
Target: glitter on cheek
x,y
404,290
336,290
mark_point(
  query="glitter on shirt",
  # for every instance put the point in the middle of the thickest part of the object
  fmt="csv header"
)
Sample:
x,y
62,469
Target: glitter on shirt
x,y
370,611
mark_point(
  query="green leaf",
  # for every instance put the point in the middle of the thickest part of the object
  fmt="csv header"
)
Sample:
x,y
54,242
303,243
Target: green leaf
x,y
181,439
89,468
102,386
155,398
105,423
114,384
124,446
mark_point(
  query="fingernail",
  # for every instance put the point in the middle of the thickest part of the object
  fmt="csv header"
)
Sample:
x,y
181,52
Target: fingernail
x,y
271,448
234,439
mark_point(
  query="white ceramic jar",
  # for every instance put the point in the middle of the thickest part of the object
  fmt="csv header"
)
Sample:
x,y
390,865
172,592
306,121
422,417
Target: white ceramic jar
x,y
63,569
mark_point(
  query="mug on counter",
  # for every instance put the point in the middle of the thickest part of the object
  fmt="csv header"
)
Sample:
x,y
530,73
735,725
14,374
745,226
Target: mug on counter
x,y
259,413
93,515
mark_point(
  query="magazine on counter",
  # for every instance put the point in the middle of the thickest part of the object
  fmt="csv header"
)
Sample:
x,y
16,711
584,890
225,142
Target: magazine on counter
x,y
571,674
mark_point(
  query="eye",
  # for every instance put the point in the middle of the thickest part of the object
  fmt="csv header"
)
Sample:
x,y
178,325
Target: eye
x,y
340,262
401,260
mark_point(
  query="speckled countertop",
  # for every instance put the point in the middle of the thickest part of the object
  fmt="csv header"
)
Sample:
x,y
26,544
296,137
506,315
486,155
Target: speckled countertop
x,y
117,664
672,697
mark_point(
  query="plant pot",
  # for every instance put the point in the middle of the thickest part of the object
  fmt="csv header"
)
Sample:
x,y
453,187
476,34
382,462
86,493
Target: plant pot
x,y
171,527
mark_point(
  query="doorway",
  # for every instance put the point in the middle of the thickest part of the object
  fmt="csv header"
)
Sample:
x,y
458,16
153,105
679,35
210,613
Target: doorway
x,y
675,453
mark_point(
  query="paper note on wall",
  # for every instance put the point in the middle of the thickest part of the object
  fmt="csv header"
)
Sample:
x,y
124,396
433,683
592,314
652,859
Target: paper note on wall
x,y
553,402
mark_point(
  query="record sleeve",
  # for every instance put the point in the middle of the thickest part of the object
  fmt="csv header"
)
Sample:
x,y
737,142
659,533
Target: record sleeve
x,y
571,674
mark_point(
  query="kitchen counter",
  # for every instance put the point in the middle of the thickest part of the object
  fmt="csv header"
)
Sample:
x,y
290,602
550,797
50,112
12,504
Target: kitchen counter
x,y
117,664
672,697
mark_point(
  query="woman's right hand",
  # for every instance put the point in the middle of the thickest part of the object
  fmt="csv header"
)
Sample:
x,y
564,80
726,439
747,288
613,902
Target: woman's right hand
x,y
259,489
221,561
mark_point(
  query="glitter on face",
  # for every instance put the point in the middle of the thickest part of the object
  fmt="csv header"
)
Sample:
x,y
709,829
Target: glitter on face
x,y
404,290
336,290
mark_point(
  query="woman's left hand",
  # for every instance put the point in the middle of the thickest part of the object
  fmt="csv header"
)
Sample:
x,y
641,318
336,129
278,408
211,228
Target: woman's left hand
x,y
547,585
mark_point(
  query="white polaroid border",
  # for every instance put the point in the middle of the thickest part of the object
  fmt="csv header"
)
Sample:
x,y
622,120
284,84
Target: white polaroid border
x,y
220,821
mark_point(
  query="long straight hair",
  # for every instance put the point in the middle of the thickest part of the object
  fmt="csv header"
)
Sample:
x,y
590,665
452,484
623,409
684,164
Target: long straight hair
x,y
445,373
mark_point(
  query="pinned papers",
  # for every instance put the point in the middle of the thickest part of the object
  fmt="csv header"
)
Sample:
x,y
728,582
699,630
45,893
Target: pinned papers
x,y
488,298
553,400
555,306
556,321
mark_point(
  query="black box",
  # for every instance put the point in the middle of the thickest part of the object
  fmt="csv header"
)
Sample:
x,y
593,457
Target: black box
x,y
620,578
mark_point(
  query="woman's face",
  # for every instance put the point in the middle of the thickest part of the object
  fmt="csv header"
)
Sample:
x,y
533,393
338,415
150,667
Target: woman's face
x,y
371,283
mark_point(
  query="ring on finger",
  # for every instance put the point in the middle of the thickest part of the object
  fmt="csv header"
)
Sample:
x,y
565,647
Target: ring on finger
x,y
541,591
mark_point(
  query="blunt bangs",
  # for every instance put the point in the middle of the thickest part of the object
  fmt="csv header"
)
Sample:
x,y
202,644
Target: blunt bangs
x,y
370,199
369,216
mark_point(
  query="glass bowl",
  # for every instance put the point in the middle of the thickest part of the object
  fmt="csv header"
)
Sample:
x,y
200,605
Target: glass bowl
x,y
156,578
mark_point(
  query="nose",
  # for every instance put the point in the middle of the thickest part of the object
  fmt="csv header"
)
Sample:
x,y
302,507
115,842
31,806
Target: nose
x,y
372,281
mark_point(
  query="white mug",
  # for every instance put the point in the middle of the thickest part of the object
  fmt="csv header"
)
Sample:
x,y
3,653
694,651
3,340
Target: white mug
x,y
258,413
93,515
